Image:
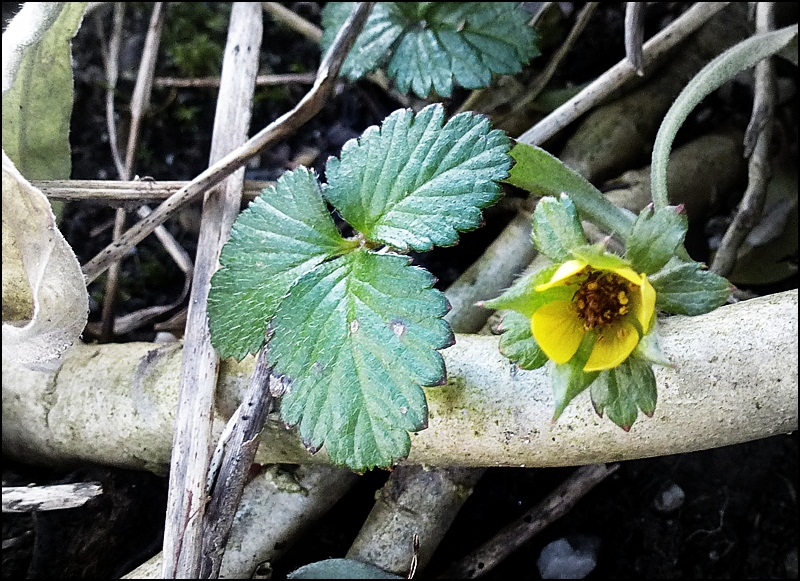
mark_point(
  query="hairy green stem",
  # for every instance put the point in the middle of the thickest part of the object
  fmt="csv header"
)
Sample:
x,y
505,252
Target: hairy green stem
x,y
723,68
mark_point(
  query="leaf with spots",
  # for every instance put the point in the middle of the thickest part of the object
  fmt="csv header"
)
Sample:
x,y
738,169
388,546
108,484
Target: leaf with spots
x,y
417,180
357,338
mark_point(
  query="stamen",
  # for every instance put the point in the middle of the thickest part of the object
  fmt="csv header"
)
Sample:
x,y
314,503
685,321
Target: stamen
x,y
602,298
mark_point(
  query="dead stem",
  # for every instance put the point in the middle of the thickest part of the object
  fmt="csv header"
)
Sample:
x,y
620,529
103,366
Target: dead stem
x,y
759,131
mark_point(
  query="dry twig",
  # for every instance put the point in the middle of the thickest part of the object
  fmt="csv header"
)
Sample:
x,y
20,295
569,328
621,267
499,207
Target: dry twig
x,y
183,539
285,125
182,542
614,77
512,536
634,34
580,24
759,131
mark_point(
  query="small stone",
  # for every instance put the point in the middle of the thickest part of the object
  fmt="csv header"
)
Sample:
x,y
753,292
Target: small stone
x,y
573,557
670,498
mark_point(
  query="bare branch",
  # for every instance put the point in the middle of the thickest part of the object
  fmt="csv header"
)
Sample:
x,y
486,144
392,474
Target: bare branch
x,y
614,77
759,131
514,535
307,108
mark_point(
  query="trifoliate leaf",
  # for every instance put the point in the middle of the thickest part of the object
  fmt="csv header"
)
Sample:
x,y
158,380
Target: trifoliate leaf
x,y
283,234
684,289
556,228
522,296
655,238
518,344
356,338
417,181
429,46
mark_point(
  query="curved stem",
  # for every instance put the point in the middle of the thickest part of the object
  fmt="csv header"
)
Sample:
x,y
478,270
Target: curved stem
x,y
723,68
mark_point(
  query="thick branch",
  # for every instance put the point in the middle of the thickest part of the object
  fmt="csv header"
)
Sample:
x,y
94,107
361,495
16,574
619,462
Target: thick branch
x,y
734,380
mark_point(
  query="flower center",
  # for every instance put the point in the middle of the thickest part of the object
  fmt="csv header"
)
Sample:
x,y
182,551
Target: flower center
x,y
602,298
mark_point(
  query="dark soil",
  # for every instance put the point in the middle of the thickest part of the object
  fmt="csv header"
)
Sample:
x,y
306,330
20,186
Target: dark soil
x,y
739,516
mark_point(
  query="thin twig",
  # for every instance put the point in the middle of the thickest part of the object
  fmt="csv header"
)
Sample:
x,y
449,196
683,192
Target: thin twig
x,y
285,125
239,453
213,82
129,193
183,536
314,33
634,34
580,24
293,20
192,441
512,537
759,130
614,77
111,62
139,104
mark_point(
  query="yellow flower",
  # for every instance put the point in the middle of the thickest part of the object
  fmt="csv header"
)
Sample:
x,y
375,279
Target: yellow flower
x,y
609,299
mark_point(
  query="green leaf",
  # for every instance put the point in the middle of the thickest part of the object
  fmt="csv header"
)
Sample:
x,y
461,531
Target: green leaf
x,y
518,344
523,297
622,391
684,289
340,569
556,228
283,234
569,379
429,46
542,174
356,337
417,181
655,238
37,108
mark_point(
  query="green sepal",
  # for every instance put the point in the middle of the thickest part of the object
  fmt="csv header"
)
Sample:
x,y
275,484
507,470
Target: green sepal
x,y
655,238
417,181
355,339
599,257
622,391
283,234
569,379
684,289
556,228
523,297
517,342
649,349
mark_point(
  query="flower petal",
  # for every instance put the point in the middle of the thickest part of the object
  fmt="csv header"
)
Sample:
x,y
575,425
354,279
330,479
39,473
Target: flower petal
x,y
613,346
558,330
628,274
648,306
643,304
566,270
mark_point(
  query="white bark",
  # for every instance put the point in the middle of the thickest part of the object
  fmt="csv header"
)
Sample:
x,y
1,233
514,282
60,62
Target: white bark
x,y
734,380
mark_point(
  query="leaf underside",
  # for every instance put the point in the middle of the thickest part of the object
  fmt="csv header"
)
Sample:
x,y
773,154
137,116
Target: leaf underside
x,y
358,336
429,46
417,181
283,234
